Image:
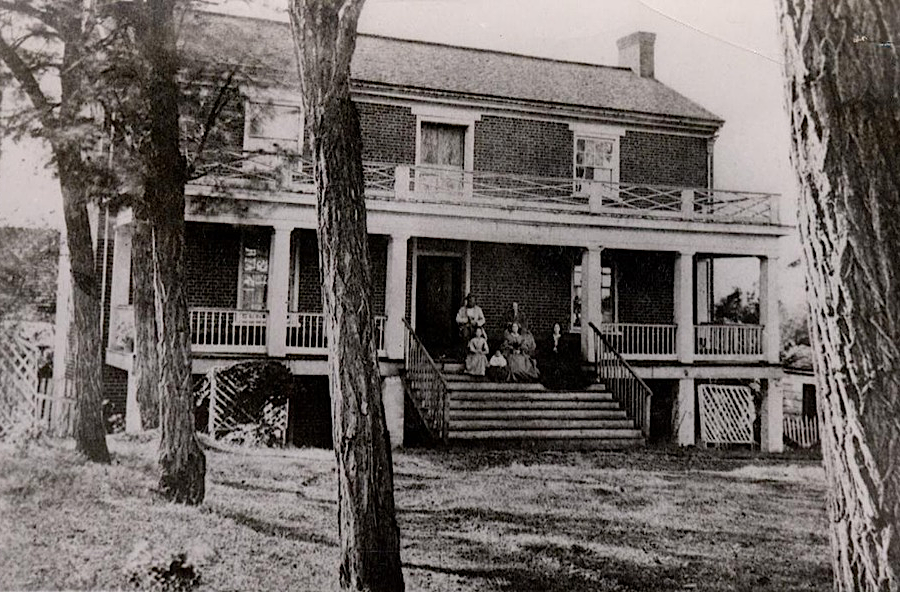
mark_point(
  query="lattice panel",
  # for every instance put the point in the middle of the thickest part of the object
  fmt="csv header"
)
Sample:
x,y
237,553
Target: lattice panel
x,y
18,382
726,414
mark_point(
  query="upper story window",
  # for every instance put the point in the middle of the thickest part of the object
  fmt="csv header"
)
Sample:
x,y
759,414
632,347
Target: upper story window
x,y
595,156
594,159
273,126
445,147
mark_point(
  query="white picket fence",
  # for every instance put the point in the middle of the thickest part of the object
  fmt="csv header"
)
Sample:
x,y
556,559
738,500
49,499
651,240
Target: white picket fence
x,y
802,430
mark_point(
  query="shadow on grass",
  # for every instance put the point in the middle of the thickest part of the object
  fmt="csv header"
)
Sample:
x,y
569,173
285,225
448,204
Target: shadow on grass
x,y
244,486
294,533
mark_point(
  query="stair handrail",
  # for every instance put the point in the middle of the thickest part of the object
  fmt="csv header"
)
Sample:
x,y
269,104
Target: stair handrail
x,y
627,388
428,389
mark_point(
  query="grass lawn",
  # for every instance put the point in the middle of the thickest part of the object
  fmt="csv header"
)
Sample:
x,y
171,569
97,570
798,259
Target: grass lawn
x,y
470,519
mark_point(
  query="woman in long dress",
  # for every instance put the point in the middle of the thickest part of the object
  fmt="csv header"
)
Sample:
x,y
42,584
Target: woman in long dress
x,y
519,350
476,359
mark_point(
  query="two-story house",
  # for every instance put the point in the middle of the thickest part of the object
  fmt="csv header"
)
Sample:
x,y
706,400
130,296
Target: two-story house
x,y
584,193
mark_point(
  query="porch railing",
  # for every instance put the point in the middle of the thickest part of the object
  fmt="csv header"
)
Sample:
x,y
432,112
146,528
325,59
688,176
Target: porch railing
x,y
291,172
306,333
426,386
228,330
639,340
627,388
741,341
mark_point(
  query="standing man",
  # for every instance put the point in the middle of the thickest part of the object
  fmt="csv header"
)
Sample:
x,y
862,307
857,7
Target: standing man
x,y
469,318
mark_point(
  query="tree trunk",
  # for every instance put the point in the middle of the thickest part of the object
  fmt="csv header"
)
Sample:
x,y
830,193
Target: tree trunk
x,y
182,465
146,367
842,76
324,35
85,337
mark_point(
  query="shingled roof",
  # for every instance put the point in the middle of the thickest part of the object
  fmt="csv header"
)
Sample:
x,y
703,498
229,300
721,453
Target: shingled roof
x,y
266,46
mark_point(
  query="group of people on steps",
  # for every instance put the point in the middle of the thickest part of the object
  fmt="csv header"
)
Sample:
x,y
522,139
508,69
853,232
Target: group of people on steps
x,y
515,360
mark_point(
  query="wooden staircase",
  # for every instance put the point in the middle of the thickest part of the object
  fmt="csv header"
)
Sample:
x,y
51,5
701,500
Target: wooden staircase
x,y
482,411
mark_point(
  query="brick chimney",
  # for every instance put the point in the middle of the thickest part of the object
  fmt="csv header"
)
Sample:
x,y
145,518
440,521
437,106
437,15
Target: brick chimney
x,y
636,52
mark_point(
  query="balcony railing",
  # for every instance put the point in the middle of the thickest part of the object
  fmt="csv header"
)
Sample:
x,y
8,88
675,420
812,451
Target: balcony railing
x,y
728,341
292,173
641,341
227,330
306,333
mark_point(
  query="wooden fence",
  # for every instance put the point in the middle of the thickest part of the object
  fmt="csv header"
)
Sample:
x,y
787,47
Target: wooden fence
x,y
804,431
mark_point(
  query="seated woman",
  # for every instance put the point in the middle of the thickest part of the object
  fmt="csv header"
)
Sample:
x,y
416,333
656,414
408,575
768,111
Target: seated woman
x,y
476,359
519,350
561,361
497,370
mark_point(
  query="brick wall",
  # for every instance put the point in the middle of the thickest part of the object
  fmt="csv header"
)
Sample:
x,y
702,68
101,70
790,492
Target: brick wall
x,y
537,277
524,147
310,289
662,159
389,133
115,390
213,256
645,286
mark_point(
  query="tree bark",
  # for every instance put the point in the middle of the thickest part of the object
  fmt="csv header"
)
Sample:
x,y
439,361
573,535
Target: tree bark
x,y
146,366
842,80
182,465
75,186
324,37
85,338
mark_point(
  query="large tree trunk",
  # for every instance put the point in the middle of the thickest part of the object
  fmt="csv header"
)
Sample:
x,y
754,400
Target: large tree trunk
x,y
324,35
182,465
75,186
843,75
85,340
146,367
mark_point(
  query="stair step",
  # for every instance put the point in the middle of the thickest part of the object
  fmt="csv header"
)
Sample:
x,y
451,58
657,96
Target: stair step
x,y
473,385
540,423
509,404
468,395
504,413
610,435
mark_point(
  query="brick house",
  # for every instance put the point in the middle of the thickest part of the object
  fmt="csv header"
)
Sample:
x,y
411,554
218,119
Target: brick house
x,y
585,193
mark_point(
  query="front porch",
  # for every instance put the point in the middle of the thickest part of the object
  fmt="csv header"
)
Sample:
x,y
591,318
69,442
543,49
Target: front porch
x,y
255,291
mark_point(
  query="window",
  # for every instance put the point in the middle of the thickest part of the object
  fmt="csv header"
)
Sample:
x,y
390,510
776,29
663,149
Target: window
x,y
442,149
596,159
254,270
608,299
273,126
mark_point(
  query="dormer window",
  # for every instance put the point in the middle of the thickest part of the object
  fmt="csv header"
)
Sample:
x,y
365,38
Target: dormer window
x,y
273,127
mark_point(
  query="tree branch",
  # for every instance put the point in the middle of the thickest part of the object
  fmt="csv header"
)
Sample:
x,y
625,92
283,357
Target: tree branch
x,y
213,115
26,80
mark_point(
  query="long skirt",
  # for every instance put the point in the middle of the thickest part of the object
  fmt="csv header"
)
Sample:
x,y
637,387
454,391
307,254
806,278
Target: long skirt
x,y
522,367
476,363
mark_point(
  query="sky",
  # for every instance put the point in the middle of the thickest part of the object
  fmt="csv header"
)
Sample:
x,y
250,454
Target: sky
x,y
723,54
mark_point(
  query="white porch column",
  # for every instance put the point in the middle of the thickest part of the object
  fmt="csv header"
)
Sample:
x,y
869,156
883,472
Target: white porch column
x,y
132,413
395,295
63,317
768,308
591,298
120,278
279,290
684,412
684,306
772,421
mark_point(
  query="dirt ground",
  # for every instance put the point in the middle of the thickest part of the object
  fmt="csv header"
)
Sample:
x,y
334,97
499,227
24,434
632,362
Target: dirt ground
x,y
470,519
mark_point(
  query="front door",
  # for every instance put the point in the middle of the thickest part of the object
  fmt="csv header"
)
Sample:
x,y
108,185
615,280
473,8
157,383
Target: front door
x,y
438,298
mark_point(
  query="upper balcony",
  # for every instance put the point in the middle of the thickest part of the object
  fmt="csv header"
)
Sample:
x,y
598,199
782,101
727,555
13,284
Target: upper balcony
x,y
268,171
